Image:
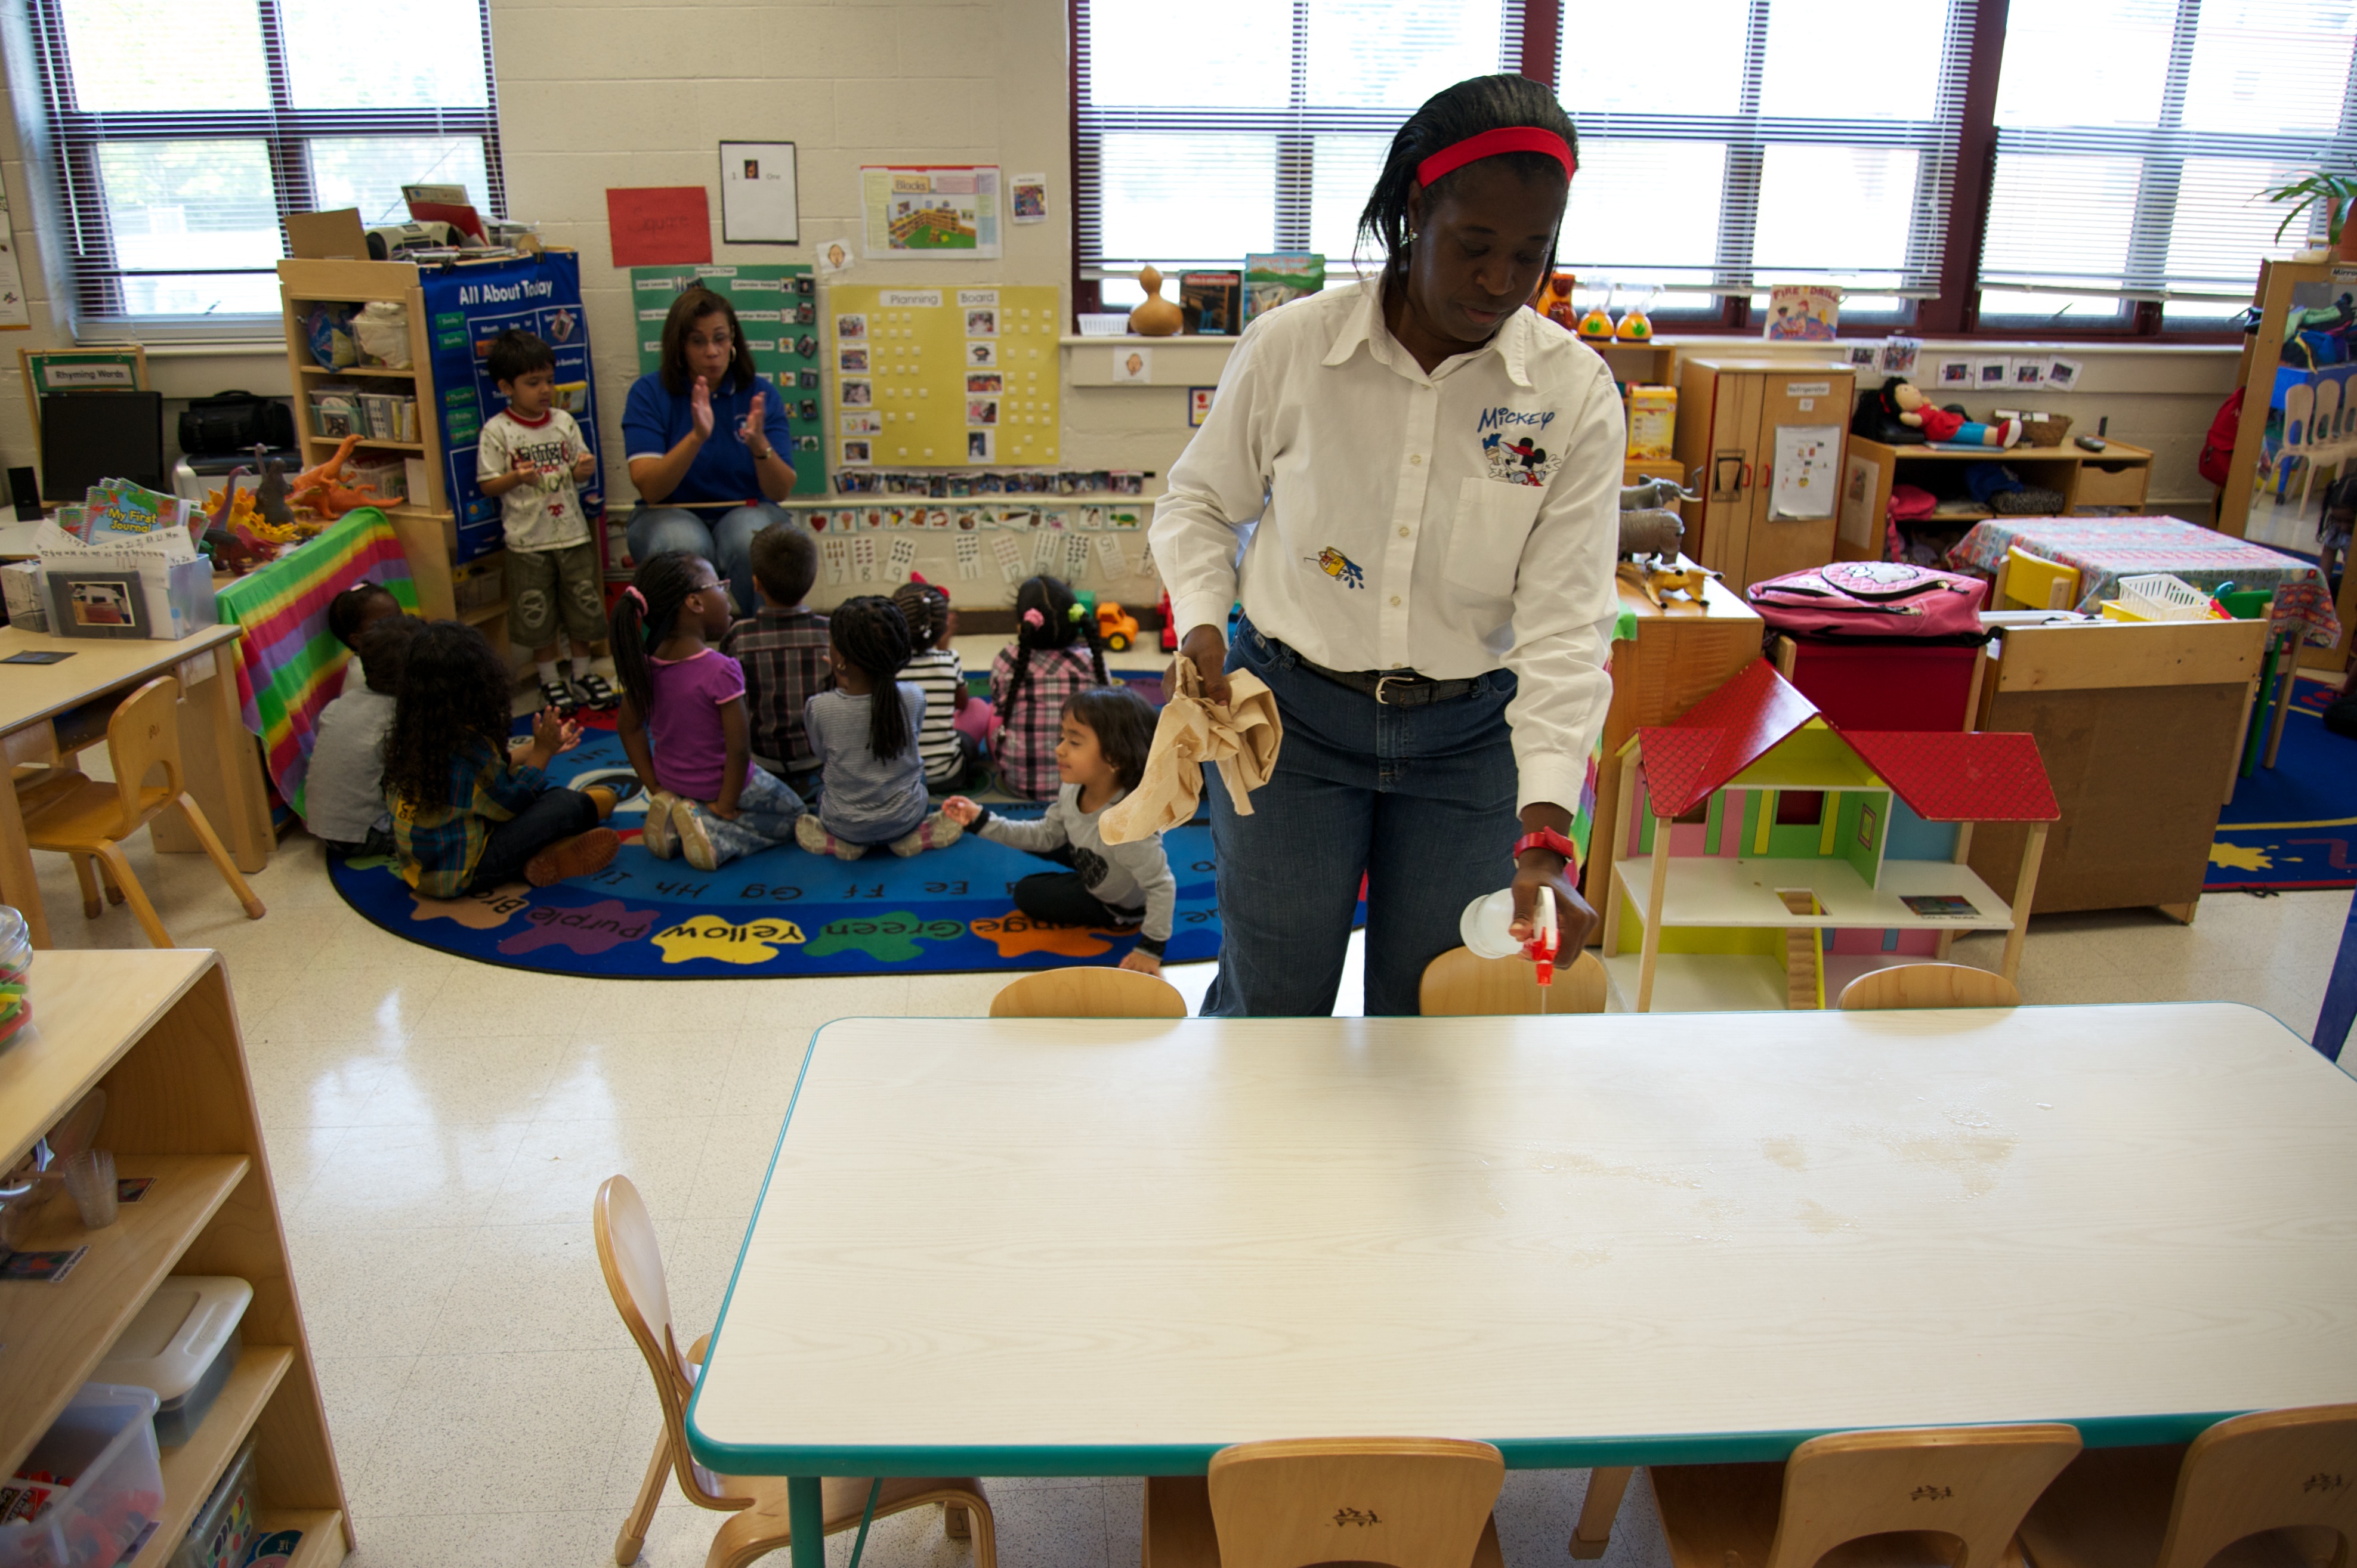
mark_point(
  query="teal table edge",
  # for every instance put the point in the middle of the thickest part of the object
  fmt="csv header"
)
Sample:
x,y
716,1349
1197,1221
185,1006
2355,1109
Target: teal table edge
x,y
804,1465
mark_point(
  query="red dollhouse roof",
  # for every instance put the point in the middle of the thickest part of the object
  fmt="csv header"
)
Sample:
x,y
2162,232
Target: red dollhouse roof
x,y
1943,776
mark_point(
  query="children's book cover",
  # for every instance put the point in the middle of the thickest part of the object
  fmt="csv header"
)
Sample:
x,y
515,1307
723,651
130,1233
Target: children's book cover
x,y
1803,312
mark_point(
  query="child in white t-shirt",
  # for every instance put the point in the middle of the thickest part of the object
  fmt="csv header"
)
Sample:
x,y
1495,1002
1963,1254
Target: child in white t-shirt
x,y
530,456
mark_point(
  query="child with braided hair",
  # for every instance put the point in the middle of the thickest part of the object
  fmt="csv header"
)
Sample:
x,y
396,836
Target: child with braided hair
x,y
865,732
1055,653
950,755
684,723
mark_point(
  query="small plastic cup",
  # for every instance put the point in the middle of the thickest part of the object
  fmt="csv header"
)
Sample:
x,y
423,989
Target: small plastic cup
x,y
90,1176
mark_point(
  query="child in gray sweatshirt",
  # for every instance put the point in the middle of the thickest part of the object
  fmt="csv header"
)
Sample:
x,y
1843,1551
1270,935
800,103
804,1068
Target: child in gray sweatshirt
x,y
1100,751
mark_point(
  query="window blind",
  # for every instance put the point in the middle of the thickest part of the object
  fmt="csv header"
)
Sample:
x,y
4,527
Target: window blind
x,y
1778,140
2134,138
1255,126
182,131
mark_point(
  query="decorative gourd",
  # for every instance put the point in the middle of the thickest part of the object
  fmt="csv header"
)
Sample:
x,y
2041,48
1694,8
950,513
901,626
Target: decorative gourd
x,y
1156,317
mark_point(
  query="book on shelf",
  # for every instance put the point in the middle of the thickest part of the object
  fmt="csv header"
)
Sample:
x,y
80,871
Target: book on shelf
x,y
1279,277
1212,302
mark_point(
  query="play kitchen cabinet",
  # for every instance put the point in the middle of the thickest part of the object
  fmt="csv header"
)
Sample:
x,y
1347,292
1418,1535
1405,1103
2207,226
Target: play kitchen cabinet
x,y
1762,442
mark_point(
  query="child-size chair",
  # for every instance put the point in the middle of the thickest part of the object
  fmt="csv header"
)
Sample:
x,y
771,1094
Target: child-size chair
x,y
1409,1502
756,1504
1089,993
1928,985
1974,1483
1457,983
2291,1473
2033,583
87,819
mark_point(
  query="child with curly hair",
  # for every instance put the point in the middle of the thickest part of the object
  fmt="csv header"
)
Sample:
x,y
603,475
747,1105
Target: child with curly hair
x,y
1055,653
865,732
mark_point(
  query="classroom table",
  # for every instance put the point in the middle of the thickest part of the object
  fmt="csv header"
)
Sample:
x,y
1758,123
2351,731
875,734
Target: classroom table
x,y
1113,1247
217,752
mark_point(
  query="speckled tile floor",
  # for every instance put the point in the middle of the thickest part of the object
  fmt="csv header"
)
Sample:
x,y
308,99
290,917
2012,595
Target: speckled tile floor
x,y
437,1128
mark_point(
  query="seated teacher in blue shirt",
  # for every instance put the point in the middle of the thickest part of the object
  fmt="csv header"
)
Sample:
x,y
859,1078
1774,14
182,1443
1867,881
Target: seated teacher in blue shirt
x,y
706,440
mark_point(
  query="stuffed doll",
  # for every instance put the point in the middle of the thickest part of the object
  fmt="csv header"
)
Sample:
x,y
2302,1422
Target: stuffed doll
x,y
1946,424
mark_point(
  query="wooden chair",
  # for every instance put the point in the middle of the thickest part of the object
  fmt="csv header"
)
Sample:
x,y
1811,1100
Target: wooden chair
x,y
1456,983
1928,985
69,812
756,1504
1974,1483
2290,1473
1409,1502
2034,582
1089,993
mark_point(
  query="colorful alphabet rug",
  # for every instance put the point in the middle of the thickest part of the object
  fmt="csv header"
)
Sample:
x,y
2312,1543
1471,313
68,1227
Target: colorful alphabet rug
x,y
2295,824
782,912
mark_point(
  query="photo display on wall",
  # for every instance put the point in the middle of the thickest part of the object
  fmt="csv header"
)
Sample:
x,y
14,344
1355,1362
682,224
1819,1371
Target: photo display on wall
x,y
777,307
944,378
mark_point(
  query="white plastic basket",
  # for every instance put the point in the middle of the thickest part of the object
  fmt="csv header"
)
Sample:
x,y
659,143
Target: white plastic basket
x,y
2164,596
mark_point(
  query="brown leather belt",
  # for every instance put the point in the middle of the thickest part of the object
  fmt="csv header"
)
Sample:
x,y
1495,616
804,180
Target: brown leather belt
x,y
1396,688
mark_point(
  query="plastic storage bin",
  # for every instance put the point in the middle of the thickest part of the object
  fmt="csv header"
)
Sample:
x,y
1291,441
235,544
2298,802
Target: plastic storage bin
x,y
2163,596
105,1487
182,1345
226,1525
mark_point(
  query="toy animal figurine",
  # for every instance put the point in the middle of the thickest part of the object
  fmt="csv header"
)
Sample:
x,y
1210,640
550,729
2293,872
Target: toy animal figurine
x,y
1654,493
229,509
1658,580
1154,317
330,499
1915,410
1647,525
270,496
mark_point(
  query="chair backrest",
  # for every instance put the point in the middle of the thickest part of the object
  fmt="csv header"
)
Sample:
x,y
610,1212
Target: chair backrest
x,y
1095,992
2277,1469
1413,1502
633,1262
144,733
2299,407
1457,983
1972,1482
2029,581
1928,985
2327,423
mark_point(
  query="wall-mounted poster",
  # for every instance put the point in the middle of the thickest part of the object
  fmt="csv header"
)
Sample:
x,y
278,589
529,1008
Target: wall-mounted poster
x,y
940,210
758,205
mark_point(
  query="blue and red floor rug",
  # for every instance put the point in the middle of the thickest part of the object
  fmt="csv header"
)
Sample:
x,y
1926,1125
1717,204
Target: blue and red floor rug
x,y
2293,826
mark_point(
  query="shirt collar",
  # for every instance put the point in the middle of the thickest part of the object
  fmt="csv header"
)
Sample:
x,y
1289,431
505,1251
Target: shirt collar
x,y
1365,324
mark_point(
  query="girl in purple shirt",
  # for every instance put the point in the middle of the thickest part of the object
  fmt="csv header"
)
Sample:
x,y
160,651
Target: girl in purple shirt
x,y
684,725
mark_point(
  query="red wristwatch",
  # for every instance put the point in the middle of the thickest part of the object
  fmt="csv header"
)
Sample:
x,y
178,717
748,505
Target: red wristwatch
x,y
1549,839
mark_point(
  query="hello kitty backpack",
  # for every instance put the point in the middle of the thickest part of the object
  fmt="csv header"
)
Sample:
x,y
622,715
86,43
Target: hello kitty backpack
x,y
1871,598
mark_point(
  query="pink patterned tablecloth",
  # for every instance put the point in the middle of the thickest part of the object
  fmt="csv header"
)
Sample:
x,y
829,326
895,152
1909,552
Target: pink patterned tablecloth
x,y
2106,549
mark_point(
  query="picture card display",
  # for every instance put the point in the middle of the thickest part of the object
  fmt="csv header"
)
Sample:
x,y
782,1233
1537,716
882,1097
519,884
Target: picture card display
x,y
914,211
953,377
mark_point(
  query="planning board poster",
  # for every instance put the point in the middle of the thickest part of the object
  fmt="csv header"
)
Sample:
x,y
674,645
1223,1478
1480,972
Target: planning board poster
x,y
777,307
944,378
915,211
467,308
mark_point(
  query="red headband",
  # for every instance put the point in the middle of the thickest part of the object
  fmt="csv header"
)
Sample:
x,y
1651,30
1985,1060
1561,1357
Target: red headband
x,y
1489,143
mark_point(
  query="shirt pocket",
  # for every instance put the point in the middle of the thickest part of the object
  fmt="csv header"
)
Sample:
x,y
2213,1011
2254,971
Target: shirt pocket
x,y
1494,522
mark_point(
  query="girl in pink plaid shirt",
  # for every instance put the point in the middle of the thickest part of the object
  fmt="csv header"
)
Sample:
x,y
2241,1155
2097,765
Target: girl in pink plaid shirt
x,y
1055,653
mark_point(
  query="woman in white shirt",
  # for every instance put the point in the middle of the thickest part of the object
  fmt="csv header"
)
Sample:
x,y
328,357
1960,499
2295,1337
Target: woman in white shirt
x,y
1412,486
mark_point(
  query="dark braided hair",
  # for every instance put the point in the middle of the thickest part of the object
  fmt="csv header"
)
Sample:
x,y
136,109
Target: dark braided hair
x,y
664,582
1059,628
925,608
872,636
1476,105
454,692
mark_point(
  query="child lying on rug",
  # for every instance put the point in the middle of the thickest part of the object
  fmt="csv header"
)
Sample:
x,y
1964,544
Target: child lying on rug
x,y
1105,733
872,788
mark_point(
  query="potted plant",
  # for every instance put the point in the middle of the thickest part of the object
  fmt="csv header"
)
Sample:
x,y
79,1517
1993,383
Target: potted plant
x,y
2336,191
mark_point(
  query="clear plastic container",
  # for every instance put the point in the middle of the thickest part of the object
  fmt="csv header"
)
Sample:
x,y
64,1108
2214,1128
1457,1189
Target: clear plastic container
x,y
182,1345
15,968
106,1486
228,1523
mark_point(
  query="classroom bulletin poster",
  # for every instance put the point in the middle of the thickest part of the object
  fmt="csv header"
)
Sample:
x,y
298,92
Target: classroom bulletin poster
x,y
468,307
777,307
913,213
944,378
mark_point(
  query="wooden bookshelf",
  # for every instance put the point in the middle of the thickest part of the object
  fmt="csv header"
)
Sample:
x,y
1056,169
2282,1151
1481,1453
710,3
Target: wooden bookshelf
x,y
159,1031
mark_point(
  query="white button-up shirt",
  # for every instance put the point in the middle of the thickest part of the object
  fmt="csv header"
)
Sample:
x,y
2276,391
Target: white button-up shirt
x,y
1448,524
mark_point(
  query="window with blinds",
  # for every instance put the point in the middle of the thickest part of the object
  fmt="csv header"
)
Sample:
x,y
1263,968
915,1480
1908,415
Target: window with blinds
x,y
2134,138
1768,141
182,131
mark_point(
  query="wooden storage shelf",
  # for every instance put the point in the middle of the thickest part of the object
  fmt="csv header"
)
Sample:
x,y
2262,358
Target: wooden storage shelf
x,y
404,372
2115,476
332,442
483,612
157,1031
322,1545
1708,890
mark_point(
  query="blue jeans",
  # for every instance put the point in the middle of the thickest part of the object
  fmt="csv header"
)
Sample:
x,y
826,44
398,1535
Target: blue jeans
x,y
766,811
724,538
1421,800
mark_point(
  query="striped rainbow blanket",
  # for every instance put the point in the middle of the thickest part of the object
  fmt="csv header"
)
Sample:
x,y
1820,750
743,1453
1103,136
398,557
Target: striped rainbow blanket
x,y
288,666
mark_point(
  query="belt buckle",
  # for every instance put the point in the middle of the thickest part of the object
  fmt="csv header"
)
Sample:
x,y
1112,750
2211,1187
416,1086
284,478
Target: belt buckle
x,y
1383,681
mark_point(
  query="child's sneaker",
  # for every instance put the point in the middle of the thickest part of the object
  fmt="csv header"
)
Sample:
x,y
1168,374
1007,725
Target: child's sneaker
x,y
658,836
559,698
593,691
577,857
936,831
695,844
602,797
814,838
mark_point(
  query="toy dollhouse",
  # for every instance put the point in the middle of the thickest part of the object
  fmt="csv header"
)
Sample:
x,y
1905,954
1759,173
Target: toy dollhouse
x,y
1764,829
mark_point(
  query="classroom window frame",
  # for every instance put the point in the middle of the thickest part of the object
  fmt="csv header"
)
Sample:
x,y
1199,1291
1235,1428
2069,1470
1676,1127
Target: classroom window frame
x,y
93,279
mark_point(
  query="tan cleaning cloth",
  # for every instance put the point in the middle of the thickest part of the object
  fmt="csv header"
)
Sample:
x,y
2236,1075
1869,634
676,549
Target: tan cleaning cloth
x,y
1239,740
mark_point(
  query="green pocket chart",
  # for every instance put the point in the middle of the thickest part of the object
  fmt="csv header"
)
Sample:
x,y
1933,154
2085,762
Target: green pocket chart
x,y
777,307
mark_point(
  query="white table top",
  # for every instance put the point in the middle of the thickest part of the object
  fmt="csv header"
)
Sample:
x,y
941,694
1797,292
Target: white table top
x,y
1111,1248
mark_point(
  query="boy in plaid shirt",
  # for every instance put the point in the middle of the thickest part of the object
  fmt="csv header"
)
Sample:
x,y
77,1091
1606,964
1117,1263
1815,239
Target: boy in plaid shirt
x,y
783,648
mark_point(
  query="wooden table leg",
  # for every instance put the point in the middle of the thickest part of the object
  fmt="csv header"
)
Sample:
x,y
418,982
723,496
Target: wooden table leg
x,y
1650,954
1593,1535
806,1520
2283,702
20,886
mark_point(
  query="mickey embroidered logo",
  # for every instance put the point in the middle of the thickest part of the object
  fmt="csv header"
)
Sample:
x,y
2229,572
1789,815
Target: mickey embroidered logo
x,y
1338,566
1510,445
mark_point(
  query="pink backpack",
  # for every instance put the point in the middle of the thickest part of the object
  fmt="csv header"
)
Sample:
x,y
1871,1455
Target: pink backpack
x,y
1872,599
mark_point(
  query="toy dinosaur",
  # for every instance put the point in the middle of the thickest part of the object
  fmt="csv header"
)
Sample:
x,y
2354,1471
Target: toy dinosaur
x,y
325,487
270,496
228,509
